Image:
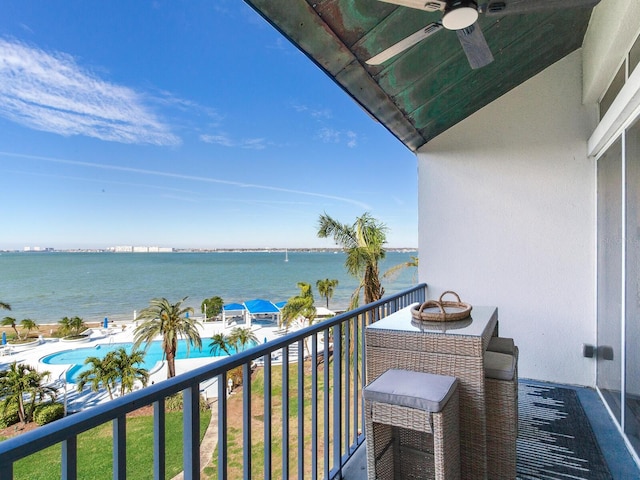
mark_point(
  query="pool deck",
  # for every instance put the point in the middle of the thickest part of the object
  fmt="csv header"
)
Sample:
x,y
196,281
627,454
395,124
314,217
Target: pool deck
x,y
121,333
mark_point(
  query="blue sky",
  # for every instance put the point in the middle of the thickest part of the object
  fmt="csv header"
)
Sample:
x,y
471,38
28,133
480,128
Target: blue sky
x,y
189,124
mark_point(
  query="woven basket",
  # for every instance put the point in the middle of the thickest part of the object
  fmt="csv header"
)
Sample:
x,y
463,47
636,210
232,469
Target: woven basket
x,y
442,310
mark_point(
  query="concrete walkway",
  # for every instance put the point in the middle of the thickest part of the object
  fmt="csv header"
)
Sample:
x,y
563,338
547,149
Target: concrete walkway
x,y
209,441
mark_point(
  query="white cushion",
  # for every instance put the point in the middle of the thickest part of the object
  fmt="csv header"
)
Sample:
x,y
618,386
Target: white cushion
x,y
501,345
499,366
423,391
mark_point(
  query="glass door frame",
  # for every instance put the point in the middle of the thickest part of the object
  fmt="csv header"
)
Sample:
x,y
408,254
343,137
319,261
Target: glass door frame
x,y
621,136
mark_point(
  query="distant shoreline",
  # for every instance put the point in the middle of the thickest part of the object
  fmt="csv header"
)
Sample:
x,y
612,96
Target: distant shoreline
x,y
201,250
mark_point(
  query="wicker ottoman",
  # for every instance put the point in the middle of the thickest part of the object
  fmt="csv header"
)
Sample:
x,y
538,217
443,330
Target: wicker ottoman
x,y
501,390
412,426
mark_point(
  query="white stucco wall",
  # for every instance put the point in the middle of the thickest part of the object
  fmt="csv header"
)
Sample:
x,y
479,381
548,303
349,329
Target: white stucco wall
x,y
507,218
612,30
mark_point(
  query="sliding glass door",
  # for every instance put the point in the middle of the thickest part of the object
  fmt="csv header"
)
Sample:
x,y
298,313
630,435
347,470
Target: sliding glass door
x,y
632,286
609,363
618,353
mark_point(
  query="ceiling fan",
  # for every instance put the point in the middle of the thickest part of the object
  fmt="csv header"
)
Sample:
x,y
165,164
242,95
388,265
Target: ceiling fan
x,y
461,16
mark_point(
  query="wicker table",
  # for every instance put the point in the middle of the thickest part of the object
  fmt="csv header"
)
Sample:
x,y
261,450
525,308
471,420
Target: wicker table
x,y
450,348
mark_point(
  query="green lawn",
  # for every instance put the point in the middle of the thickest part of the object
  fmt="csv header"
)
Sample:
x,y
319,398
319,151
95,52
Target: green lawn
x,y
95,446
95,451
234,419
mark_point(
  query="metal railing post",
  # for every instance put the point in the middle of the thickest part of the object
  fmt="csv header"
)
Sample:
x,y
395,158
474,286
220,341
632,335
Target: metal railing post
x,y
191,432
120,447
246,420
267,417
222,426
159,440
337,396
69,465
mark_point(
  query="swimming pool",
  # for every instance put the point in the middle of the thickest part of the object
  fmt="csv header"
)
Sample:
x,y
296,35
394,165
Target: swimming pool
x,y
76,357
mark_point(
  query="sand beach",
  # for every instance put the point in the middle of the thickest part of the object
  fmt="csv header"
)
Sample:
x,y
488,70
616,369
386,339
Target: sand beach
x,y
47,330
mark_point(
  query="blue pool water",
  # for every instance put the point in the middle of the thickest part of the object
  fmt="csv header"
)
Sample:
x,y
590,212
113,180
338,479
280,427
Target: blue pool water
x,y
76,357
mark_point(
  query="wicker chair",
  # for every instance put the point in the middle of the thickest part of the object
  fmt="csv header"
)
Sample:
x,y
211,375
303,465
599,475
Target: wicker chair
x,y
501,389
412,426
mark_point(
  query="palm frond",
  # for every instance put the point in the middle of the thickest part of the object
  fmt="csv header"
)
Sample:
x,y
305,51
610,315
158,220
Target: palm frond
x,y
170,321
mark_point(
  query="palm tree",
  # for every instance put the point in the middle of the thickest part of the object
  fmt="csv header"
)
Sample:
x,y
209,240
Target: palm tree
x,y
413,262
326,287
126,370
116,366
211,307
10,322
71,327
363,242
220,341
5,306
28,325
241,338
300,306
170,321
22,382
98,374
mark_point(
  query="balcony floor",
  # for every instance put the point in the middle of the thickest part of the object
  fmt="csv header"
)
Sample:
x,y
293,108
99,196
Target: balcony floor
x,y
619,460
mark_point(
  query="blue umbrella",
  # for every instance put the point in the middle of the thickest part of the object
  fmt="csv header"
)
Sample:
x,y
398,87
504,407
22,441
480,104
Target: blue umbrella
x,y
4,338
105,324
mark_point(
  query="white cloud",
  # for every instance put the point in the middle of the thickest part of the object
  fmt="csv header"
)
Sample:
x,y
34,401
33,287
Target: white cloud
x,y
223,140
26,27
226,141
352,139
166,99
193,178
279,44
331,135
254,143
313,112
49,91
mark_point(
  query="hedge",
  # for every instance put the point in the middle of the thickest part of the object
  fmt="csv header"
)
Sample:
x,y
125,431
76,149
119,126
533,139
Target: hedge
x,y
48,412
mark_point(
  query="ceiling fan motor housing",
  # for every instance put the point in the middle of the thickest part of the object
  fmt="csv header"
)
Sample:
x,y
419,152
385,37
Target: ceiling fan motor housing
x,y
460,14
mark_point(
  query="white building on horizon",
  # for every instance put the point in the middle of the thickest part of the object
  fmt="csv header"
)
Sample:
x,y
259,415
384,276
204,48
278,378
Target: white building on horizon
x,y
38,249
142,249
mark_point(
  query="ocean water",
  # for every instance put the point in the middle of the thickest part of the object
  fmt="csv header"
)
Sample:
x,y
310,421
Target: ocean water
x,y
50,285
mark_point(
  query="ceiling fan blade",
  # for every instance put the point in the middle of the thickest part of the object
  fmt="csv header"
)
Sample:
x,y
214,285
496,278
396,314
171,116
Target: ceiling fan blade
x,y
403,45
509,7
428,5
475,46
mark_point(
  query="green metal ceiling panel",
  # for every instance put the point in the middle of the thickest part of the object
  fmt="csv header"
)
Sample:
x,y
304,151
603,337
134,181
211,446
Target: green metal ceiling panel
x,y
521,61
430,87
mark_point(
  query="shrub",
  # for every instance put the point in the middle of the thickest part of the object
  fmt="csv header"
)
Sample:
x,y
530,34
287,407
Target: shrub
x,y
174,403
235,374
8,414
48,412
